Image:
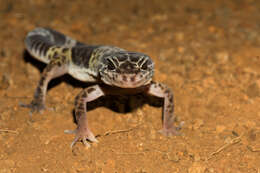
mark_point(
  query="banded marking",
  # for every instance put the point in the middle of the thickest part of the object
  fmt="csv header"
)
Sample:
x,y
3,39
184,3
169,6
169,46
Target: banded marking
x,y
60,54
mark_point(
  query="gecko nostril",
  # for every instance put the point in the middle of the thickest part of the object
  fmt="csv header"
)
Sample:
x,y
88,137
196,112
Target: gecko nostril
x,y
124,78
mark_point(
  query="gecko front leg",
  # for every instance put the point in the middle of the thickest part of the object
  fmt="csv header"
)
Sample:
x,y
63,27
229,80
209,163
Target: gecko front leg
x,y
54,69
162,91
83,132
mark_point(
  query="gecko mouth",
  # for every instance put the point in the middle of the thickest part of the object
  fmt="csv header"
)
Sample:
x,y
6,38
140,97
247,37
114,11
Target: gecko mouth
x,y
127,80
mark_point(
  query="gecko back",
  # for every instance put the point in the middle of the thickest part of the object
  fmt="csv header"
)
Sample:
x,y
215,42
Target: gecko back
x,y
39,41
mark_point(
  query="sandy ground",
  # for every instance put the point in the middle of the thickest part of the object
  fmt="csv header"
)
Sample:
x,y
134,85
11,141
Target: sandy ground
x,y
206,51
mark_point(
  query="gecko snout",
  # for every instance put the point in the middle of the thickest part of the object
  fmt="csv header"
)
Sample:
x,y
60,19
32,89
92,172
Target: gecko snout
x,y
130,80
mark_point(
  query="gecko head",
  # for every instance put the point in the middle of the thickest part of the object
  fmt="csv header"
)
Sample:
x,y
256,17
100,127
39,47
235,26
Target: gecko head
x,y
126,69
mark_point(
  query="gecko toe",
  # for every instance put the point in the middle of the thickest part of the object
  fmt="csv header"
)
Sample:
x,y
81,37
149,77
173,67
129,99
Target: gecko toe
x,y
76,139
34,107
92,138
84,136
173,131
70,131
170,132
84,140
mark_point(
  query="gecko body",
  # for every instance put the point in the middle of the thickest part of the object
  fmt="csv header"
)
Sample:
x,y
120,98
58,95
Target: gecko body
x,y
112,70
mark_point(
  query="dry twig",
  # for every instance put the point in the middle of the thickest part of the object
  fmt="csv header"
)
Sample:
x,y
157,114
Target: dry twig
x,y
252,149
135,153
232,142
8,131
119,131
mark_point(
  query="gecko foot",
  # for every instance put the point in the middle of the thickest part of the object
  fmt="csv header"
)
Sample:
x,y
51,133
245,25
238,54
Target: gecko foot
x,y
173,131
84,135
34,107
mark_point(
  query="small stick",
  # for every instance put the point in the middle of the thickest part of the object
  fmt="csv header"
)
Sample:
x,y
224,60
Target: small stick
x,y
252,149
135,153
116,131
8,131
232,142
119,131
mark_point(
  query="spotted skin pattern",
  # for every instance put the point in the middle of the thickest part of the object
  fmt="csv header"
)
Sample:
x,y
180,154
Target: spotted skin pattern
x,y
113,70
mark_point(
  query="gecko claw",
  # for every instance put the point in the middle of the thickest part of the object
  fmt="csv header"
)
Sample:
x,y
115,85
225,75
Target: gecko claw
x,y
83,136
34,107
173,131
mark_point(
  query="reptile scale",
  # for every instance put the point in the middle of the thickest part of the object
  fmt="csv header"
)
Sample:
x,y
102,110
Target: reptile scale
x,y
112,70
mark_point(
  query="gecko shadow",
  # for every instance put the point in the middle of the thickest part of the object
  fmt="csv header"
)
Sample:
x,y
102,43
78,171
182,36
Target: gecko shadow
x,y
116,103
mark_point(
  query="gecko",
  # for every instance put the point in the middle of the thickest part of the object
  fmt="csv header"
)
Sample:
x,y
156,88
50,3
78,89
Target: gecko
x,y
111,71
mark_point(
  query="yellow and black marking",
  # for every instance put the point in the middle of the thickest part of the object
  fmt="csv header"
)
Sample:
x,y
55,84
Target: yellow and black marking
x,y
94,60
61,55
98,54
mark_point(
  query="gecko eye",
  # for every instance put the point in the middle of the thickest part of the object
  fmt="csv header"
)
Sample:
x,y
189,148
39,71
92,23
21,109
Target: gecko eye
x,y
144,66
144,62
110,65
147,65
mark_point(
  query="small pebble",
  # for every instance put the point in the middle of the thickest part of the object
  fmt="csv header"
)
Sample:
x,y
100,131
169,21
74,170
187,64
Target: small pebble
x,y
179,36
197,124
5,82
254,89
197,167
220,128
153,134
2,53
173,157
222,57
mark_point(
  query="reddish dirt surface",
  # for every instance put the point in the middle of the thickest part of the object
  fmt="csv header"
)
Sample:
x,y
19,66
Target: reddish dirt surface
x,y
206,51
